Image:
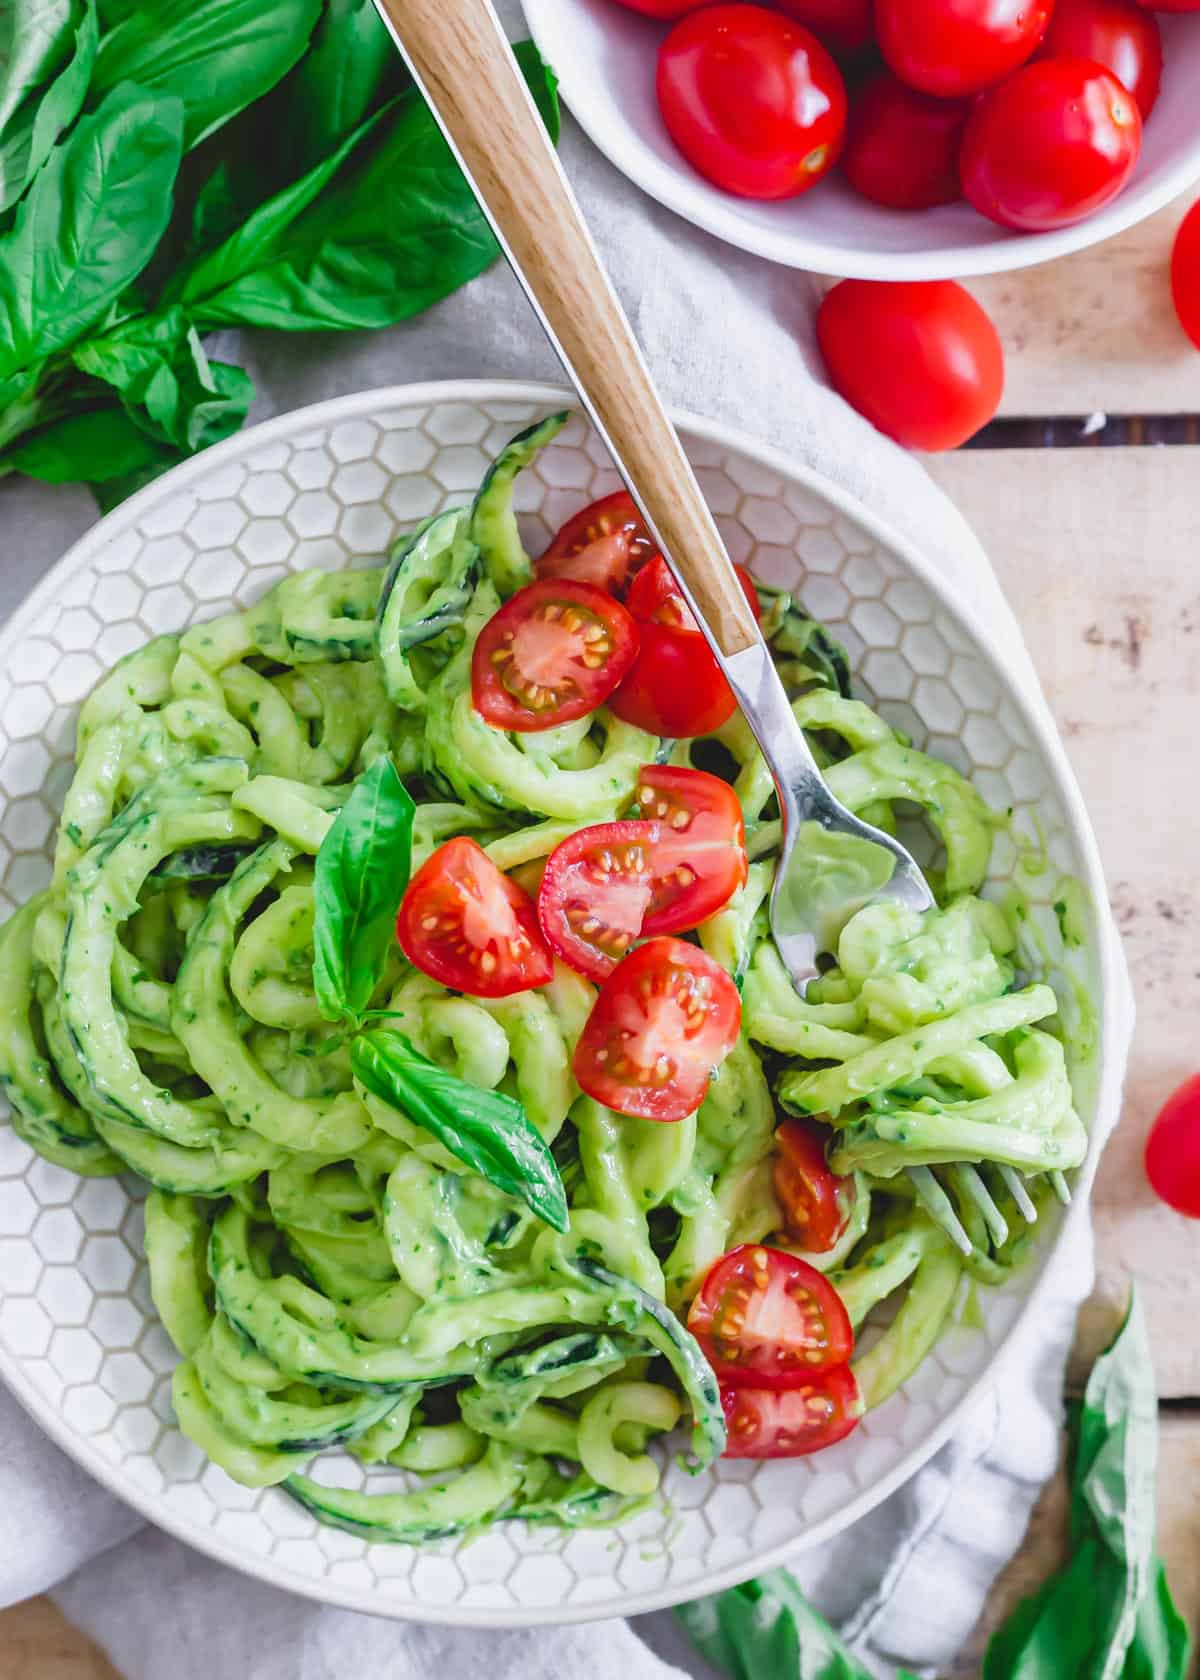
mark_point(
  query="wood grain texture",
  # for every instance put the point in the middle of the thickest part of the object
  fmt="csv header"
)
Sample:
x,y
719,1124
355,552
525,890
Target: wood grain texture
x,y
461,58
38,1643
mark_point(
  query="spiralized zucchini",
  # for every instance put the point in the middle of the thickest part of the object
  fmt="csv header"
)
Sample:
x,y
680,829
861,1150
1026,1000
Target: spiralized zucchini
x,y
332,1276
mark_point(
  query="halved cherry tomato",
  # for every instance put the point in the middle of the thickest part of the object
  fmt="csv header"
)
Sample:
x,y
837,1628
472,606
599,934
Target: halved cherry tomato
x,y
902,146
952,48
1173,1150
463,922
554,652
845,26
753,101
1116,34
816,1202
763,1423
766,1319
595,892
1053,144
665,1019
605,543
1185,274
699,858
655,598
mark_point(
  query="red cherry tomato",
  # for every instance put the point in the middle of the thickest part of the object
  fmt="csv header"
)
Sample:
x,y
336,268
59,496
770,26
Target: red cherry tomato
x,y
463,922
766,1319
765,1423
654,597
675,688
956,47
605,544
845,26
902,146
752,100
699,859
1114,33
662,8
816,1202
919,358
554,651
1185,274
1169,5
595,892
1050,146
1173,1150
665,1020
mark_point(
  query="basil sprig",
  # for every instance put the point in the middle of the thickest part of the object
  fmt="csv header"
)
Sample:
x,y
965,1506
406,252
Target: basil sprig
x,y
485,1130
362,870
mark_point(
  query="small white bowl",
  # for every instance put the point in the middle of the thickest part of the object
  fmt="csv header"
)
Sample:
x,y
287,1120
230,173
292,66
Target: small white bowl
x,y
605,58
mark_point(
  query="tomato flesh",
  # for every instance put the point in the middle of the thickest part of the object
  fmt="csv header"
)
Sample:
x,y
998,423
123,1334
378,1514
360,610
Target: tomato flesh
x,y
902,146
595,892
920,359
1114,33
816,1203
665,1019
753,101
767,1319
1173,1150
764,1423
465,924
1185,274
605,544
1052,145
954,48
699,858
554,652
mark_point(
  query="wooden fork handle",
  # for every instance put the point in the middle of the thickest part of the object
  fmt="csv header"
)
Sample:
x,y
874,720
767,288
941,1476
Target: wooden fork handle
x,y
460,57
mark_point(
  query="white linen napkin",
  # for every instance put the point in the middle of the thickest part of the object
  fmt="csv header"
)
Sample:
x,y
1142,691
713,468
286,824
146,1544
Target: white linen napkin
x,y
730,337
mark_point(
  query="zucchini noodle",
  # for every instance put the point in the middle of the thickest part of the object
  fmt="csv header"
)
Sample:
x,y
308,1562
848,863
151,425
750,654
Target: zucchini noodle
x,y
331,1275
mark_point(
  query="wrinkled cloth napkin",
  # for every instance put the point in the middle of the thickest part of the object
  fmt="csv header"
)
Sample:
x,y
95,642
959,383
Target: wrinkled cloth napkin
x,y
730,337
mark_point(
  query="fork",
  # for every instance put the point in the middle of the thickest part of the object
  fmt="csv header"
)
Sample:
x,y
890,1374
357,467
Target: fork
x,y
461,62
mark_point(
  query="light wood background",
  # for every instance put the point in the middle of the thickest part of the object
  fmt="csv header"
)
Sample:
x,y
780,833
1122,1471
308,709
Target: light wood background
x,y
1097,549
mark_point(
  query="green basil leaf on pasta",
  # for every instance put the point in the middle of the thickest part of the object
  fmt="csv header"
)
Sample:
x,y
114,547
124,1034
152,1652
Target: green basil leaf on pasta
x,y
362,869
485,1130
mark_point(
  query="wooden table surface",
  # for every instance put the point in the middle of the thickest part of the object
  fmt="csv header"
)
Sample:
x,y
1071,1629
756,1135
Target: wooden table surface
x,y
1096,548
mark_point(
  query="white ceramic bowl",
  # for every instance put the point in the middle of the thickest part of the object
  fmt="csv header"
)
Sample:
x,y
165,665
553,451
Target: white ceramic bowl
x,y
605,58
79,1342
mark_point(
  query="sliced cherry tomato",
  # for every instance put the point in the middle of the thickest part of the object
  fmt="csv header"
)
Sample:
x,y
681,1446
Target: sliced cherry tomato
x,y
655,598
919,358
953,48
1185,274
554,652
1173,1150
845,26
752,100
902,146
699,858
816,1202
767,1319
763,1423
595,892
463,922
1053,144
606,544
665,1019
1116,34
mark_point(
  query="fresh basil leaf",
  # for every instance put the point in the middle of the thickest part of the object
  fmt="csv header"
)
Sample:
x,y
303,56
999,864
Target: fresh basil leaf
x,y
111,492
28,138
362,870
351,68
486,1131
88,225
166,382
34,39
85,448
218,56
397,229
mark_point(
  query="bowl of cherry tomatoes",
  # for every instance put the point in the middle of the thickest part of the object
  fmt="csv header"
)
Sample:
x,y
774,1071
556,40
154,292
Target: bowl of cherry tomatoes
x,y
890,139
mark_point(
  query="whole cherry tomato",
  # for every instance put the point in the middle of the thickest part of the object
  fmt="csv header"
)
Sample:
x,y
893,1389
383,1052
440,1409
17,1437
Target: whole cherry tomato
x,y
845,26
955,47
752,100
1053,144
662,8
902,146
920,359
1185,274
1116,34
1173,1150
1169,5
